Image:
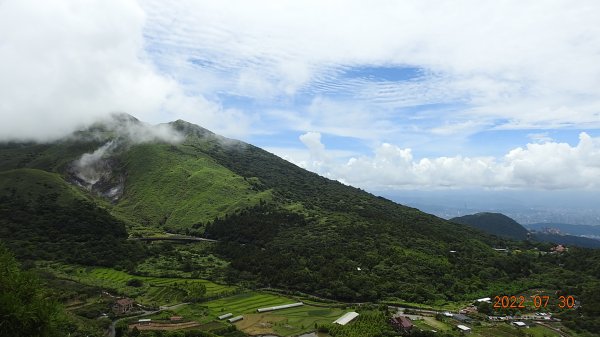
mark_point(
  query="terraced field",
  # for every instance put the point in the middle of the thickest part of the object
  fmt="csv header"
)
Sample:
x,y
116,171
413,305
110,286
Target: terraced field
x,y
246,303
284,322
154,290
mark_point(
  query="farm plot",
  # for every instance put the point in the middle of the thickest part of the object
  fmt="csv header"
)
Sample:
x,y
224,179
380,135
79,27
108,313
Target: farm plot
x,y
150,291
283,322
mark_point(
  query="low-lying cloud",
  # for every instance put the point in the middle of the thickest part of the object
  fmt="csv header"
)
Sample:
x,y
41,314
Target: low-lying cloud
x,y
540,165
66,64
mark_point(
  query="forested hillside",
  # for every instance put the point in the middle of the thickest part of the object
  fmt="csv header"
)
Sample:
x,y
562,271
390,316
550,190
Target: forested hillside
x,y
277,225
42,217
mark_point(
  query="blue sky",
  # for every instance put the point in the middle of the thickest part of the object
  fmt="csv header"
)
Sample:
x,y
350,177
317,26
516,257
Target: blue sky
x,y
386,96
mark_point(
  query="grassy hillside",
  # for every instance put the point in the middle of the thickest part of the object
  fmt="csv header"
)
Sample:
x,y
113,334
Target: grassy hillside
x,y
34,186
494,223
172,187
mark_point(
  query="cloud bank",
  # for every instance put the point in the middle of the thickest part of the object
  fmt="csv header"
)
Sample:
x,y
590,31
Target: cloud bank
x,y
66,64
542,165
509,64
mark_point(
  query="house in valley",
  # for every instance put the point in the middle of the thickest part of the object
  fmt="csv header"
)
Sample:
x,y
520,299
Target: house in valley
x,y
402,324
122,306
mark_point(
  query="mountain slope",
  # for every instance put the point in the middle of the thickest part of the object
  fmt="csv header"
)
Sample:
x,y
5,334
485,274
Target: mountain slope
x,y
494,223
277,224
43,217
172,187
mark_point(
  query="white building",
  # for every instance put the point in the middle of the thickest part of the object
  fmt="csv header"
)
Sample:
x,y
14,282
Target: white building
x,y
235,319
520,324
463,328
347,318
279,307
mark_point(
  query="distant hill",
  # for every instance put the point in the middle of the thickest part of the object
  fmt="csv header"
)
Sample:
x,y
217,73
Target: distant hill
x,y
581,230
494,223
502,225
569,240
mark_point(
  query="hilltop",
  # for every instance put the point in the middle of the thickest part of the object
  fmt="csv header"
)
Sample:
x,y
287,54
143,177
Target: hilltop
x,y
504,226
494,223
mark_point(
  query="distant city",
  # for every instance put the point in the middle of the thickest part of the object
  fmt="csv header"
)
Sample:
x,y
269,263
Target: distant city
x,y
525,207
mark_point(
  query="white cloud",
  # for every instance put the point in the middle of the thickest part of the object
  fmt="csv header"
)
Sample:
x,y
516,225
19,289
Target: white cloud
x,y
548,165
529,64
67,63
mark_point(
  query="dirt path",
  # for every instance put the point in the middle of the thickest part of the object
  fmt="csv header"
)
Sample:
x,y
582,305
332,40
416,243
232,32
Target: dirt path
x,y
164,326
559,331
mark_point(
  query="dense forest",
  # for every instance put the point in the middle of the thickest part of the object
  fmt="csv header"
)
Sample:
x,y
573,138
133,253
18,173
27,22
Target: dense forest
x,y
46,221
276,247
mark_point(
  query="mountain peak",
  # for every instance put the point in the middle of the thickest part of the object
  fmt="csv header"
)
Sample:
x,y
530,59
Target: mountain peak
x,y
123,117
188,128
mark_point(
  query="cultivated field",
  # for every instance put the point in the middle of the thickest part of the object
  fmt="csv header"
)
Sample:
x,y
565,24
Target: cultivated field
x,y
284,322
154,291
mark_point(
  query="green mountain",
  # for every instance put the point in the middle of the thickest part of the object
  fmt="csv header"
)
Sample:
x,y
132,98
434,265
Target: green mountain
x,y
277,225
494,223
43,217
503,226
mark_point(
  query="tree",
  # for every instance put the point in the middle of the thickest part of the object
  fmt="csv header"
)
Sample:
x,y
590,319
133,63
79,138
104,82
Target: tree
x,y
195,291
25,308
135,282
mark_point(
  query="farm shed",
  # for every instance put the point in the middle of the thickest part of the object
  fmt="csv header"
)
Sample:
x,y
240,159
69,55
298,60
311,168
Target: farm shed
x,y
279,307
462,318
235,319
123,305
349,316
463,328
402,323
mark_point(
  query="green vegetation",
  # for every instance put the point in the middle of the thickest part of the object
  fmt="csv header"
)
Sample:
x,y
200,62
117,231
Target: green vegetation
x,y
175,188
29,309
494,223
368,324
154,291
42,217
278,226
286,322
24,307
196,260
